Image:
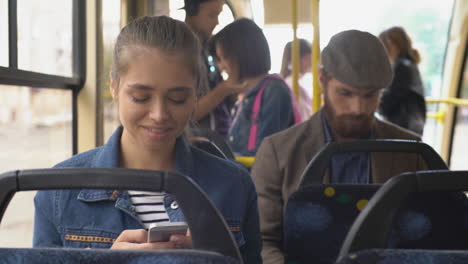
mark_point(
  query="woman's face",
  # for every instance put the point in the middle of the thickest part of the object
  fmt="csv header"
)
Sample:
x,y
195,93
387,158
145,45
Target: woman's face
x,y
226,64
156,98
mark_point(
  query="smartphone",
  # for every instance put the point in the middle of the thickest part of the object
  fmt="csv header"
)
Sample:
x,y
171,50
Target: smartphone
x,y
163,231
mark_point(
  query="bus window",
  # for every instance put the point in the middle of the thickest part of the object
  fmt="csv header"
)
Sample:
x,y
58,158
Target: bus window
x,y
4,33
16,229
459,156
45,37
110,30
426,21
35,125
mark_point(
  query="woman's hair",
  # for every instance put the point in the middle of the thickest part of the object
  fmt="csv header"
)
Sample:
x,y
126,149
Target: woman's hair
x,y
244,43
398,37
168,35
304,49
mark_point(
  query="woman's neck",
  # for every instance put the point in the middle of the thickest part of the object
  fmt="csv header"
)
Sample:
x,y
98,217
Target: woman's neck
x,y
134,156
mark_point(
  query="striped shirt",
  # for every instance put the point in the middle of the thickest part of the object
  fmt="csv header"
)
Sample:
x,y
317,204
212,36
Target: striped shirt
x,y
149,206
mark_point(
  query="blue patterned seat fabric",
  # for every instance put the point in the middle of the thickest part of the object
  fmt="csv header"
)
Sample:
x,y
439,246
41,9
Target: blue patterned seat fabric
x,y
76,256
318,217
408,256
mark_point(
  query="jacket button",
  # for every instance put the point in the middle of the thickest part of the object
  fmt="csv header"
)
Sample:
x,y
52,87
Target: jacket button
x,y
174,205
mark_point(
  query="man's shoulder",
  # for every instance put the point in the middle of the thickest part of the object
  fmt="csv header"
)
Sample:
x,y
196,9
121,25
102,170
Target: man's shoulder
x,y
298,139
388,130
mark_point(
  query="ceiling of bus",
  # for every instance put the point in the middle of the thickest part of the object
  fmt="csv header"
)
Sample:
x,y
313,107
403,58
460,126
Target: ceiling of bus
x,y
241,8
275,11
280,11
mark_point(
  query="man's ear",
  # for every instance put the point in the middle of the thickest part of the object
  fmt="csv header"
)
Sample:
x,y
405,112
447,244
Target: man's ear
x,y
113,85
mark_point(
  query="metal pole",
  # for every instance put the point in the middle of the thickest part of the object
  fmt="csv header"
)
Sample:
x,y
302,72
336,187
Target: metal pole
x,y
317,91
295,51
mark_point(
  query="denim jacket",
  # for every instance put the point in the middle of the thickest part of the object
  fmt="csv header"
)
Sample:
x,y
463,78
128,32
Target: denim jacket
x,y
276,114
95,218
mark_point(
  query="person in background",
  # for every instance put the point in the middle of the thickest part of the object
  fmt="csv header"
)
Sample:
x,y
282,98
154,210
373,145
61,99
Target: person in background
x,y
264,105
214,109
304,102
352,81
155,81
403,102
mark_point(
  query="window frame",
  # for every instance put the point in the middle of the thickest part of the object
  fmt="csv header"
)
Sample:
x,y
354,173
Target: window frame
x,y
456,108
11,75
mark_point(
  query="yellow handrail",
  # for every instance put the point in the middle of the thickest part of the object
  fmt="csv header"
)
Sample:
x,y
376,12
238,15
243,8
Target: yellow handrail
x,y
317,92
440,114
449,100
246,161
295,51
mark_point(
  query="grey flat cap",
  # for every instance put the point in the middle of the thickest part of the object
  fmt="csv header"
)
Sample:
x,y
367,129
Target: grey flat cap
x,y
358,59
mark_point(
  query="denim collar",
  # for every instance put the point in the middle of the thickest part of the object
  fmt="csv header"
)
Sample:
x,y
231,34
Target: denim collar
x,y
255,90
108,157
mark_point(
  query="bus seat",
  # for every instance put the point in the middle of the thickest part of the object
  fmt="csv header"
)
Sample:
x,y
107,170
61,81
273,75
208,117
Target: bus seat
x,y
393,256
220,144
316,168
216,246
302,239
318,217
208,146
76,256
428,208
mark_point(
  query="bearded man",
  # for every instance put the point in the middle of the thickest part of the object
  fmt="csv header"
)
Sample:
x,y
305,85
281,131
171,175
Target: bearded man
x,y
354,70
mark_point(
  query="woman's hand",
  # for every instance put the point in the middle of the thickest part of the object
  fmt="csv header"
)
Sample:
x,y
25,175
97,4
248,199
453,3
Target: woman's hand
x,y
137,239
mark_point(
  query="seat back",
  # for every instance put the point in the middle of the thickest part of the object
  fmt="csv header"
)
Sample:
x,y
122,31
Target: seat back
x,y
402,256
316,168
208,146
214,138
318,217
428,208
303,240
104,256
181,188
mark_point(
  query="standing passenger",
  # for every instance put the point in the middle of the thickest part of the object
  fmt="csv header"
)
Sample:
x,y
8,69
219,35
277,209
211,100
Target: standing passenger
x,y
155,81
264,105
304,102
403,102
354,71
213,111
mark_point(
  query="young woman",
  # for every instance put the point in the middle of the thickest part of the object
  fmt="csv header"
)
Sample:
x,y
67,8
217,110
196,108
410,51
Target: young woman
x,y
264,104
155,81
403,102
304,103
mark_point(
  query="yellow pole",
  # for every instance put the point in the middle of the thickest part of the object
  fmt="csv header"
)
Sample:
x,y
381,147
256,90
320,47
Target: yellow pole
x,y
317,92
295,51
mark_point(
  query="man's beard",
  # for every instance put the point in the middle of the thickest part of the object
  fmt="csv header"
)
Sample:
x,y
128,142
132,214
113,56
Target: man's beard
x,y
348,126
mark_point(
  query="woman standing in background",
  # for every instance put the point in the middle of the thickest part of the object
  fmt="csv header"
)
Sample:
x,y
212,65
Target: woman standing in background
x,y
403,102
304,102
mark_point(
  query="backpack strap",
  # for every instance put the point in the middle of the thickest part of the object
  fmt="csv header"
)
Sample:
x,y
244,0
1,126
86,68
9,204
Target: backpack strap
x,y
256,111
